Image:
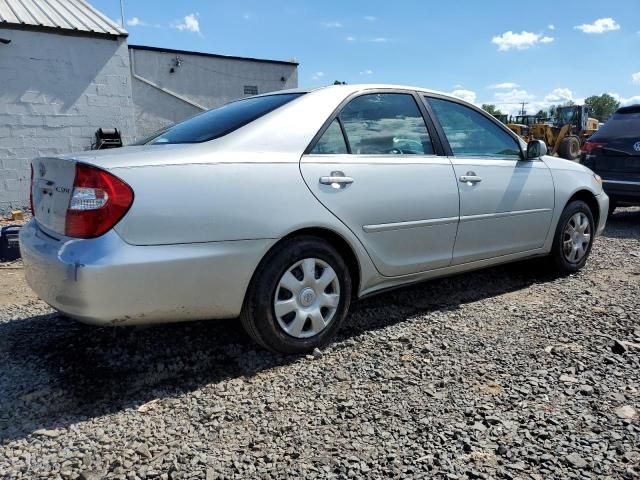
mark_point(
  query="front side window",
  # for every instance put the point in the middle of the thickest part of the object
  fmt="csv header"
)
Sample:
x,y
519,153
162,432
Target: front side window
x,y
331,142
221,121
471,134
385,124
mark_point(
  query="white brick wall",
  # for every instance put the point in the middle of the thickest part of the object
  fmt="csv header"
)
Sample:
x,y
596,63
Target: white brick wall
x,y
207,80
55,92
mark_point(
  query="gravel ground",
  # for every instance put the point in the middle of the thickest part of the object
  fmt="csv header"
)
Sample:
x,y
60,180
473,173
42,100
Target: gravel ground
x,y
505,373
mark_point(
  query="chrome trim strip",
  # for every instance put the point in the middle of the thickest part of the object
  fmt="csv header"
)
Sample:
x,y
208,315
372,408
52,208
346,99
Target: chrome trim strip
x,y
486,216
384,227
621,182
357,159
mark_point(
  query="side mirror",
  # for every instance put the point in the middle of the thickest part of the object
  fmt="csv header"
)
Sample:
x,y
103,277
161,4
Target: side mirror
x,y
536,149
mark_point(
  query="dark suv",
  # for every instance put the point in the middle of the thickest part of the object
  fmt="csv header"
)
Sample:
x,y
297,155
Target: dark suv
x,y
613,152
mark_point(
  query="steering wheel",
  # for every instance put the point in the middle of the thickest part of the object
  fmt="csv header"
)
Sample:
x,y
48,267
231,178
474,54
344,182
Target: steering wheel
x,y
395,151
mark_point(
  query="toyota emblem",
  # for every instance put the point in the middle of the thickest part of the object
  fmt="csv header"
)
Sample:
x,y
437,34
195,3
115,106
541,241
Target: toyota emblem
x,y
636,146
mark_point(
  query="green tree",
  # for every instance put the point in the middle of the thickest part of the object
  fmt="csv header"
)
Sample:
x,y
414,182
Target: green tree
x,y
491,109
542,114
602,106
338,82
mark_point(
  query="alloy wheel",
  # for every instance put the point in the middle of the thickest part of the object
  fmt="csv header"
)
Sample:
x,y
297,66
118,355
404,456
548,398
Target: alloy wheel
x,y
576,237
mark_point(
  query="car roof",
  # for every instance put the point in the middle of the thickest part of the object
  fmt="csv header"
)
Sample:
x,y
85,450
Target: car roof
x,y
358,87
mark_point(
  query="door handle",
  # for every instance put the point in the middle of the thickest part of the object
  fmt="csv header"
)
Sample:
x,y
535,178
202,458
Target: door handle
x,y
336,180
470,178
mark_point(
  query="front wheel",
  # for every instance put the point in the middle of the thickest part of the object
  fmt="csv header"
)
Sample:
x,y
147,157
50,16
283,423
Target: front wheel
x,y
573,238
569,148
299,296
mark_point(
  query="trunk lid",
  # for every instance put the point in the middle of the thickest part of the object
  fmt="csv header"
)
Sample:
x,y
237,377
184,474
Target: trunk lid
x,y
51,189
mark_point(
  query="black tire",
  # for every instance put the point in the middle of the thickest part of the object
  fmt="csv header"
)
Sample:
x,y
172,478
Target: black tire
x,y
258,316
559,260
569,148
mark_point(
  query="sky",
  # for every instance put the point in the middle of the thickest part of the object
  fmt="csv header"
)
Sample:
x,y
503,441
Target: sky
x,y
487,51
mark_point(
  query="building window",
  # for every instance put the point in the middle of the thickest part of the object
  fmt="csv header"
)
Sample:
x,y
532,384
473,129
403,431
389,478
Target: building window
x,y
251,90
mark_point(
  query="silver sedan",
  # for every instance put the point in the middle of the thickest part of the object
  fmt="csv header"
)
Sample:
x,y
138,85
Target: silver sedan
x,y
282,209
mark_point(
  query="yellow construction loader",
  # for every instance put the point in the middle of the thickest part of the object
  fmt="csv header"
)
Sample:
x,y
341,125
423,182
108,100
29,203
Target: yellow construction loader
x,y
564,135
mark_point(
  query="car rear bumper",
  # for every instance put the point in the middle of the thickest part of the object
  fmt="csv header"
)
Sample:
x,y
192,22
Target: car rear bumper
x,y
107,281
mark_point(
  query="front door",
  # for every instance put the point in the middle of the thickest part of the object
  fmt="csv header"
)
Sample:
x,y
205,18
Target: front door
x,y
375,168
506,202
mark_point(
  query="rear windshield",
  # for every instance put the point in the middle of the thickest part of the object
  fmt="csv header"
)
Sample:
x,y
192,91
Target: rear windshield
x,y
622,124
220,121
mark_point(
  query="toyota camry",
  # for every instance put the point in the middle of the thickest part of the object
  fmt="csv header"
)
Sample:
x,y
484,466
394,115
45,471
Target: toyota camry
x,y
282,209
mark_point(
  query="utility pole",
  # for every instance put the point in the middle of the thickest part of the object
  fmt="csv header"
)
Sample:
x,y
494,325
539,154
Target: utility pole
x,y
523,111
122,13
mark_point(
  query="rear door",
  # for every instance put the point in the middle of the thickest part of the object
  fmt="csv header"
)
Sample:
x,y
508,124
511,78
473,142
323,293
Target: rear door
x,y
506,202
375,167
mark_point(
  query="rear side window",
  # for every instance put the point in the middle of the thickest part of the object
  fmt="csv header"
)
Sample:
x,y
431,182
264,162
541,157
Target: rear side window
x,y
332,141
221,121
385,124
624,123
471,134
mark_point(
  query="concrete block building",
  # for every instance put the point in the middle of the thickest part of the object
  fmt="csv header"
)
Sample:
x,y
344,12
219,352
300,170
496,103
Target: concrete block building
x,y
64,72
67,70
171,85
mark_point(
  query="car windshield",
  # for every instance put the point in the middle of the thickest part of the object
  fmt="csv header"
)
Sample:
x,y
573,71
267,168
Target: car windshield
x,y
220,121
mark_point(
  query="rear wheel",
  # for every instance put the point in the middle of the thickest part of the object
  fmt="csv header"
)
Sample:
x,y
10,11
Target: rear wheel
x,y
298,297
573,238
570,148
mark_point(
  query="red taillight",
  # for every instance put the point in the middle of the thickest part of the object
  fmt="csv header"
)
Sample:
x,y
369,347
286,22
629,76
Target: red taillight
x,y
98,201
589,147
33,212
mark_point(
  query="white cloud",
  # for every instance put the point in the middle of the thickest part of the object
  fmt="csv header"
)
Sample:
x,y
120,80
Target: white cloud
x,y
370,18
367,72
551,26
467,95
559,95
503,86
317,75
189,23
513,96
511,102
519,41
136,22
352,38
635,78
247,16
626,101
458,86
332,24
601,25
